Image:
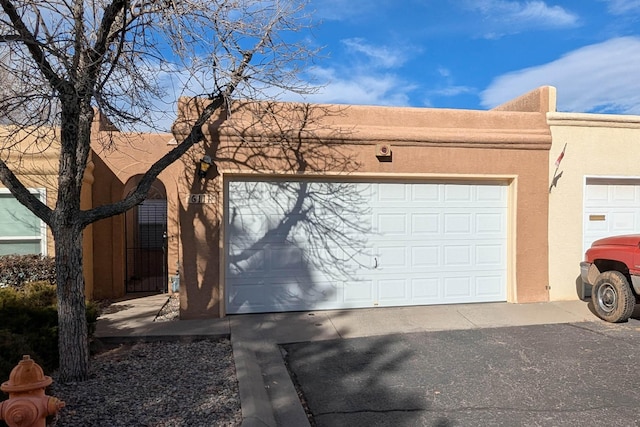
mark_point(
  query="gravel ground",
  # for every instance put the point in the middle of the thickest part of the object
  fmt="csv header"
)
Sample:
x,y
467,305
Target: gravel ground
x,y
170,311
158,384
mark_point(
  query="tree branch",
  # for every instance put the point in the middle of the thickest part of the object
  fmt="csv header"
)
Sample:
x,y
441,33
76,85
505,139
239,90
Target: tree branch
x,y
29,40
23,195
195,136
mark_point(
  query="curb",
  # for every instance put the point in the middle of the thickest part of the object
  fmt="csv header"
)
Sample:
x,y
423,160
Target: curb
x,y
254,401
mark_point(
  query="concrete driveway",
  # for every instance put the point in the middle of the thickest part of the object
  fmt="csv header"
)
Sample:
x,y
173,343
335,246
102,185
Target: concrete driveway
x,y
570,374
468,364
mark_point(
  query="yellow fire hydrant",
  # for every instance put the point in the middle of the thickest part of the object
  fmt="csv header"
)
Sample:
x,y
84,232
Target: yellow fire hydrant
x,y
27,405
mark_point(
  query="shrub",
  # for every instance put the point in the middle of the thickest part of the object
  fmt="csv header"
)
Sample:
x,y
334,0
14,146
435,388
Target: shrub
x,y
40,293
16,270
13,347
29,325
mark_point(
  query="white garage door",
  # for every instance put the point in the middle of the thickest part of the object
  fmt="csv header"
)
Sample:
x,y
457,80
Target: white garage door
x,y
330,245
611,207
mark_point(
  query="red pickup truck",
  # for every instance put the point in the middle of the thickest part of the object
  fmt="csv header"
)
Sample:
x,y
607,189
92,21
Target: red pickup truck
x,y
612,268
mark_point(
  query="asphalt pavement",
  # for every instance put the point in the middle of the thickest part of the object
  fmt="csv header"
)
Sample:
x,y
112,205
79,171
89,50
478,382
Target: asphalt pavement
x,y
473,364
573,374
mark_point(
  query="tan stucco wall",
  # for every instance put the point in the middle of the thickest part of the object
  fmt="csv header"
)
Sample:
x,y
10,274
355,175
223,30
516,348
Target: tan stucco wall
x,y
34,160
541,100
500,145
596,145
116,168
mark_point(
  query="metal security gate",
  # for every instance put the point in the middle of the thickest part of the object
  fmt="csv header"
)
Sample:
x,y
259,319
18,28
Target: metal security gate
x,y
146,230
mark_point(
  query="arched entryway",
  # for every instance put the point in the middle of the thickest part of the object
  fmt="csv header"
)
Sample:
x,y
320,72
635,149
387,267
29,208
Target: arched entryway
x,y
146,241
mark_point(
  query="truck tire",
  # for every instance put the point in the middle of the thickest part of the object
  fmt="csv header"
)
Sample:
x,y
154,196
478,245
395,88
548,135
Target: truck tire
x,y
612,297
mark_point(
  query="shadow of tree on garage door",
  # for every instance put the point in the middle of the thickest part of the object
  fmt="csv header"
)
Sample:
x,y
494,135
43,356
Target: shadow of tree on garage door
x,y
291,244
261,139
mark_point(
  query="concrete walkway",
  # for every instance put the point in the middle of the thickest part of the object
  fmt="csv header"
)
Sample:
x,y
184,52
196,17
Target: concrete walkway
x,y
267,394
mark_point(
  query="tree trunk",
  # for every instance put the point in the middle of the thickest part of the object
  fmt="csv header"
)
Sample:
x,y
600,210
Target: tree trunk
x,y
72,320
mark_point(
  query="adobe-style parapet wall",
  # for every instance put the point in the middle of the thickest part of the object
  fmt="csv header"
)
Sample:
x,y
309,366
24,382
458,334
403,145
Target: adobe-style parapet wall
x,y
357,124
540,100
593,120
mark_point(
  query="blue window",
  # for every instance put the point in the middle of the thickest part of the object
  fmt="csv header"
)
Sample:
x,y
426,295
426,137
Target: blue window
x,y
21,232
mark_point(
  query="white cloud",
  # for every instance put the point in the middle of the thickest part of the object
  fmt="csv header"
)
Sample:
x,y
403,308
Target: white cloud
x,y
597,78
443,72
359,88
365,78
502,17
619,7
380,56
538,12
453,90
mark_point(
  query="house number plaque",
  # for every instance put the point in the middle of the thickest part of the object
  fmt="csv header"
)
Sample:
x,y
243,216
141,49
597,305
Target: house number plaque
x,y
201,198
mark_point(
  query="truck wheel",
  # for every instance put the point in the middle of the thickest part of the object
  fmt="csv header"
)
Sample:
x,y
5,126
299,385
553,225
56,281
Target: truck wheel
x,y
612,297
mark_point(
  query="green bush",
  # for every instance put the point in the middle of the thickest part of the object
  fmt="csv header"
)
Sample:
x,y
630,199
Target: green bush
x,y
16,270
40,293
29,325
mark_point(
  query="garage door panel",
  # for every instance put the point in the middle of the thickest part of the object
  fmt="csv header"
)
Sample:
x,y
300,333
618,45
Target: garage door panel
x,y
392,224
393,291
425,257
457,223
457,256
624,193
473,288
611,206
596,194
458,193
248,297
426,290
267,296
425,224
492,194
489,256
393,193
425,193
247,262
248,224
457,288
354,226
392,256
287,259
487,224
623,221
407,244
489,286
296,293
359,291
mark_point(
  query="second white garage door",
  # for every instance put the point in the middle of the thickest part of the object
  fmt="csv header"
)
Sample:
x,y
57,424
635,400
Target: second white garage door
x,y
611,207
329,245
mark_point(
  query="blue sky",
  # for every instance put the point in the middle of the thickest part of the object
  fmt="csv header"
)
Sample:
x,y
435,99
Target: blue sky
x,y
476,54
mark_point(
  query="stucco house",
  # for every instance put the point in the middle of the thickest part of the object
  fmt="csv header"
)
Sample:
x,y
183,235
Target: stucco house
x,y
594,190
328,206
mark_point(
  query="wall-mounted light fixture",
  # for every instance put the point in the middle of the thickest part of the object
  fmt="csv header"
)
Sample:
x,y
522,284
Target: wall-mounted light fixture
x,y
383,152
205,165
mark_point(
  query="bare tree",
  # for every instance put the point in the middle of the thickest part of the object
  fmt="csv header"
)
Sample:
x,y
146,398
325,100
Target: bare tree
x,y
66,59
